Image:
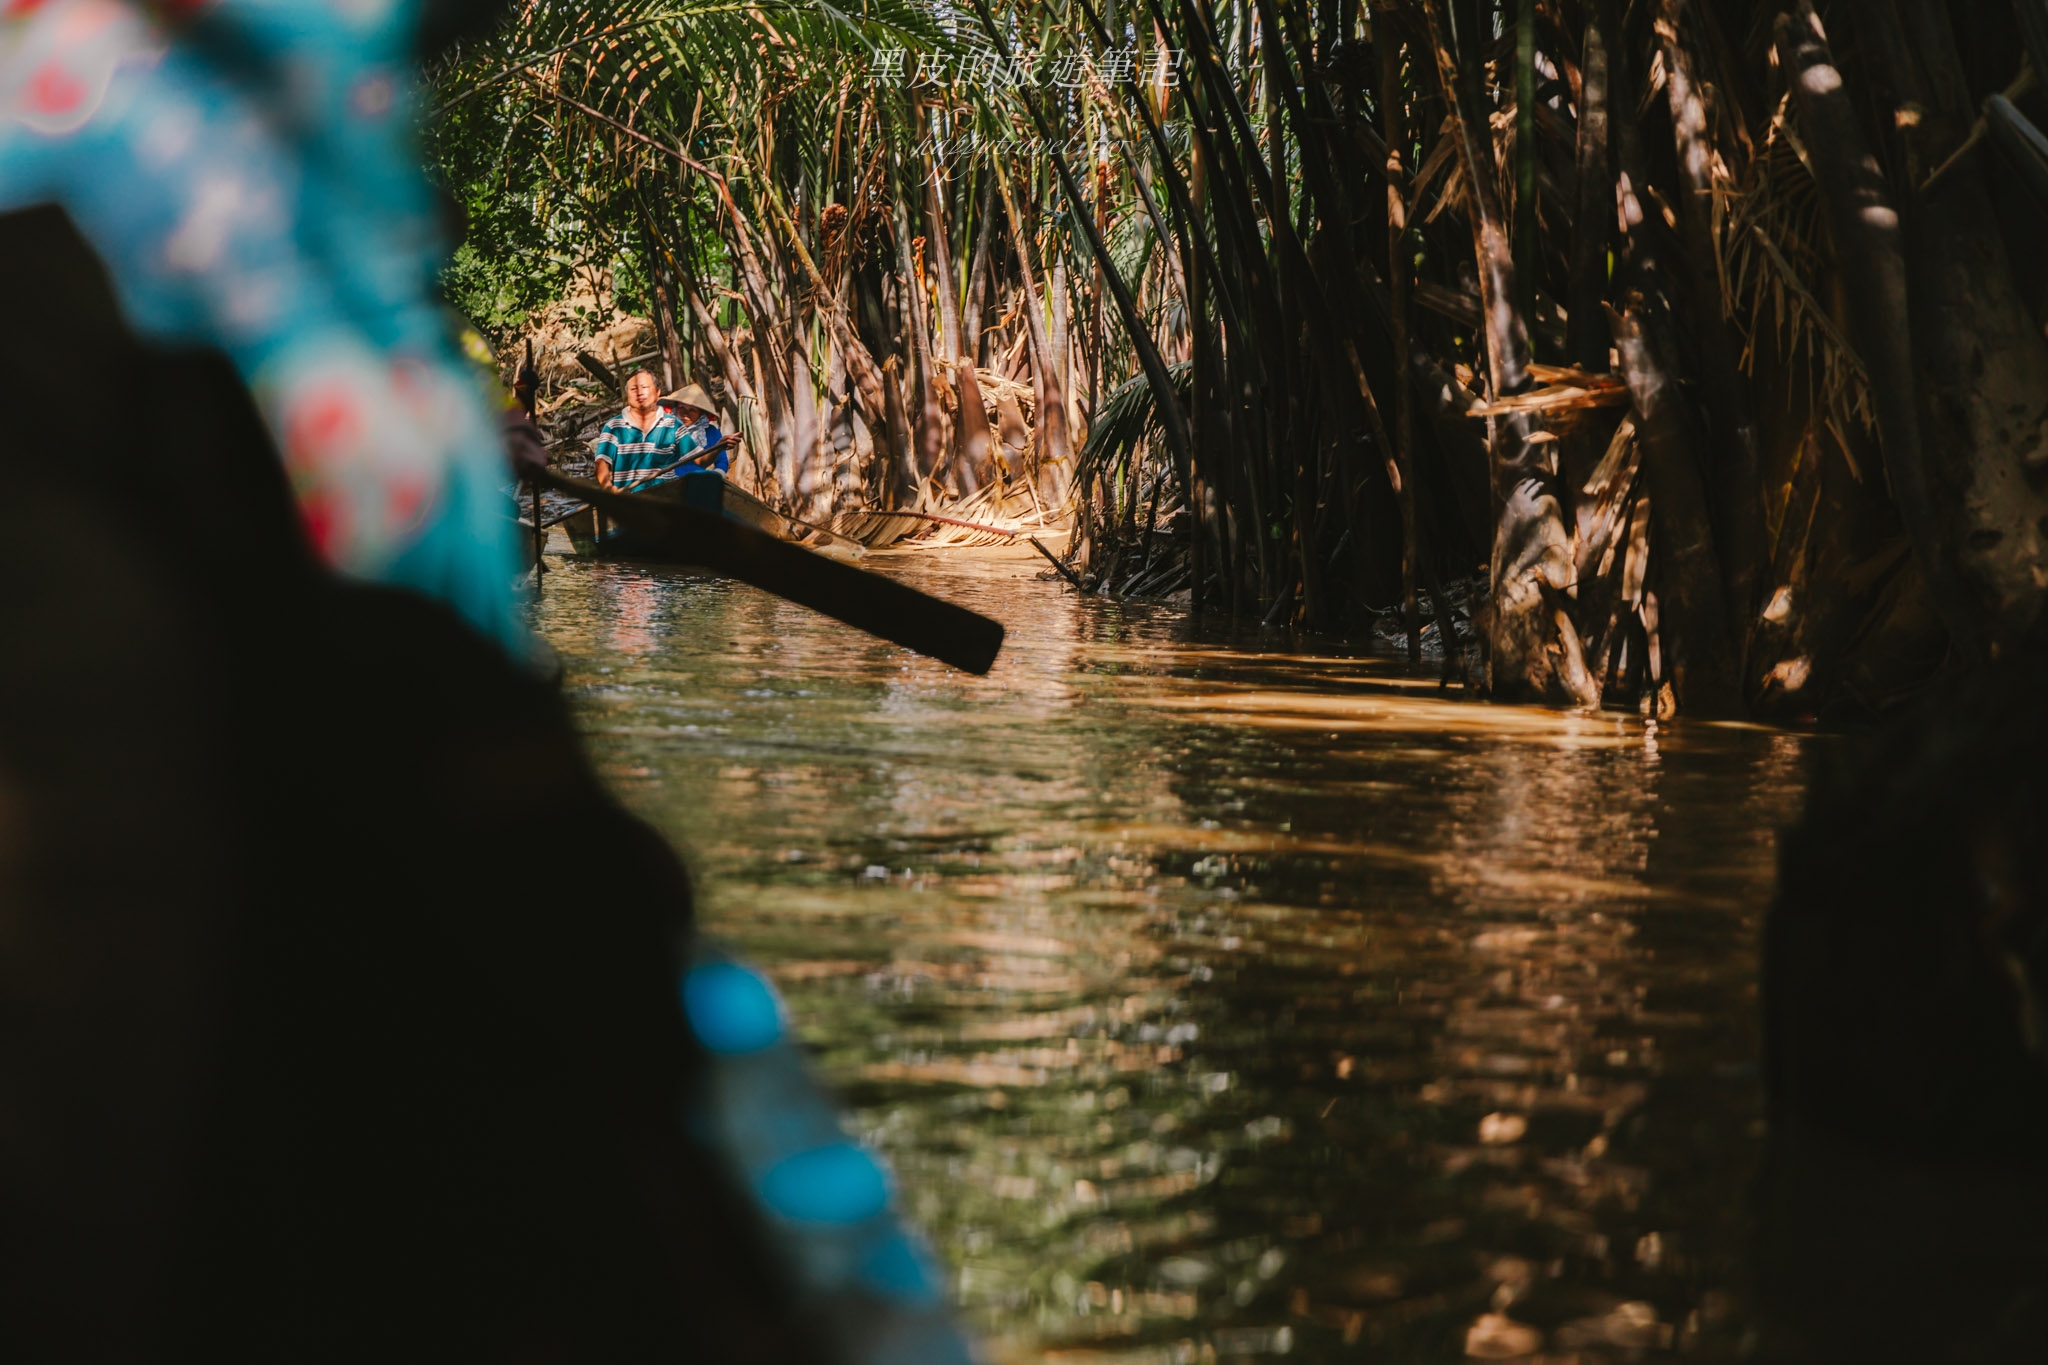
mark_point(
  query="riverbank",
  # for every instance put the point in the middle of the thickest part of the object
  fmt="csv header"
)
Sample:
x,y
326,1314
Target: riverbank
x,y
1204,996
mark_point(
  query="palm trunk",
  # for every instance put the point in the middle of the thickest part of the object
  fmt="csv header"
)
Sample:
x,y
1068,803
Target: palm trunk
x,y
810,472
1587,340
928,444
1050,411
740,391
1525,158
977,276
1692,624
900,484
1531,563
941,252
661,285
1055,471
729,365
771,379
1982,368
1173,420
859,361
1870,251
972,438
1731,417
1400,285
1695,657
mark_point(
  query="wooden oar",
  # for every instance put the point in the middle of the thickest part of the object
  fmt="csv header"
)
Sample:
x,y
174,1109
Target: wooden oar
x,y
698,457
880,606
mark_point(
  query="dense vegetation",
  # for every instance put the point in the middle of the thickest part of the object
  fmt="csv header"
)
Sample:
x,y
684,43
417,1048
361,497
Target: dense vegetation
x,y
1712,328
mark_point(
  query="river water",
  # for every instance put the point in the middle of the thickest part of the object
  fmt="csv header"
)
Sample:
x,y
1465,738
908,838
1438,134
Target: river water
x,y
1212,1002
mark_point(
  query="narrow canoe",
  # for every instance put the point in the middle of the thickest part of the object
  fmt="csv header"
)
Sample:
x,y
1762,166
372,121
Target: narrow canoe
x,y
707,491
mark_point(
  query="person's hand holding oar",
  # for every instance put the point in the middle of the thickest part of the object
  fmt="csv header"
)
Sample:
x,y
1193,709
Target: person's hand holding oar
x,y
702,458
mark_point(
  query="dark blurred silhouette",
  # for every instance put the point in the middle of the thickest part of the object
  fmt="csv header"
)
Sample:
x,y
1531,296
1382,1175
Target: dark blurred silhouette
x,y
1903,1207
318,1041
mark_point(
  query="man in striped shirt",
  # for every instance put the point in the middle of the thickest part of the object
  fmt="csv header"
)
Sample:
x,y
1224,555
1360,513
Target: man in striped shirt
x,y
641,442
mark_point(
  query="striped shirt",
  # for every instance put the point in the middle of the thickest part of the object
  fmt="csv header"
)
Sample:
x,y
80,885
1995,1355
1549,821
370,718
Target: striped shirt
x,y
636,456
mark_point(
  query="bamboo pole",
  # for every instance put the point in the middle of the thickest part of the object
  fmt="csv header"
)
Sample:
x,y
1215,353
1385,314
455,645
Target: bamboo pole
x,y
1737,491
1400,280
1050,414
1587,342
1872,258
1525,159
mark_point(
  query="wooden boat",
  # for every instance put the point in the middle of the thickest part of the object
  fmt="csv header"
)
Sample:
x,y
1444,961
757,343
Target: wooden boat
x,y
707,491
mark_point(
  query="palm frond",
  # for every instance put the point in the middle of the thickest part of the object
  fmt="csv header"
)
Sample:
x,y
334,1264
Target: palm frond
x,y
1772,259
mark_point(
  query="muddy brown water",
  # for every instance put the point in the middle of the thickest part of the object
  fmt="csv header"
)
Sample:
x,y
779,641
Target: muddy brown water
x,y
1212,1001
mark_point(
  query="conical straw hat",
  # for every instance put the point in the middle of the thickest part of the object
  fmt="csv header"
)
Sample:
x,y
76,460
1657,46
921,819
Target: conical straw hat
x,y
692,396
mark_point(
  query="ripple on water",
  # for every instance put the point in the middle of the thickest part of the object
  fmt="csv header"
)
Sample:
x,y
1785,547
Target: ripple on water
x,y
1216,1002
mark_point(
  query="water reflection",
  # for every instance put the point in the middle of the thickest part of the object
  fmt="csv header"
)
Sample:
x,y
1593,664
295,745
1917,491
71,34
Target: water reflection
x,y
1219,1004
632,608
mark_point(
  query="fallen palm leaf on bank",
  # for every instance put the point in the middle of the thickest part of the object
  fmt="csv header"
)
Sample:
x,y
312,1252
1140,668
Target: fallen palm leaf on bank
x,y
1564,390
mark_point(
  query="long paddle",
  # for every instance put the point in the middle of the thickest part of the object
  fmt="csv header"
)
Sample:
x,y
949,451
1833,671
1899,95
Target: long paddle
x,y
699,457
880,606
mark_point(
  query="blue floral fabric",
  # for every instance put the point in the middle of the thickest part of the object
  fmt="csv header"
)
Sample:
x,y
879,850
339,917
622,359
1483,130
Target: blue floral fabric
x,y
248,171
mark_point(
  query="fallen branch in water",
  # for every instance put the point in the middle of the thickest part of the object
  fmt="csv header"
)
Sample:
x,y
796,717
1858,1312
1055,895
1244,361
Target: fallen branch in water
x,y
1054,560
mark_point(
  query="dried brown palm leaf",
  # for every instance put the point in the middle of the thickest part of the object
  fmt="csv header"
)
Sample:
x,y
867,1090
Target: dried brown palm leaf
x,y
1773,259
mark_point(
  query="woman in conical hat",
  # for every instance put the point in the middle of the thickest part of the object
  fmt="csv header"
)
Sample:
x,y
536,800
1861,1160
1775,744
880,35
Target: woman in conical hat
x,y
701,436
692,402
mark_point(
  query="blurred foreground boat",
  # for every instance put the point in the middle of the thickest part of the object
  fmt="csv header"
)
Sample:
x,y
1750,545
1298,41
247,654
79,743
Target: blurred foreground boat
x,y
365,1078
868,1288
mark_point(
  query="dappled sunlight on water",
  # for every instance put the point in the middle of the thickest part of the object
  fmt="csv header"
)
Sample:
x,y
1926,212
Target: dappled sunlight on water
x,y
1218,1003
